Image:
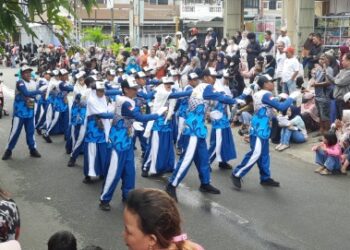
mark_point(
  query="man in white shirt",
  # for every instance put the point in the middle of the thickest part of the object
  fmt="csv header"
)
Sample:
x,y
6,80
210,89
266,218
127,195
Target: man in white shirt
x,y
284,38
152,61
290,71
280,57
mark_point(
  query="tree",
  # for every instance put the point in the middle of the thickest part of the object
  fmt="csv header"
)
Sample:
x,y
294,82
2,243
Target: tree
x,y
16,13
96,36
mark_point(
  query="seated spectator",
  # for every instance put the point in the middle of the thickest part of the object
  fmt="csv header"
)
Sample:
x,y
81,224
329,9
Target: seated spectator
x,y
62,240
309,112
244,115
328,154
9,218
293,130
152,221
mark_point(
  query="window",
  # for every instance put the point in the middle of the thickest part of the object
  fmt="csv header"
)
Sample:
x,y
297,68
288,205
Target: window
x,y
163,2
254,4
266,5
279,5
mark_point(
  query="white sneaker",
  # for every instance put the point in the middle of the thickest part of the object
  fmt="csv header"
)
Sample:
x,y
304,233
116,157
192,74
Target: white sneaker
x,y
283,147
278,147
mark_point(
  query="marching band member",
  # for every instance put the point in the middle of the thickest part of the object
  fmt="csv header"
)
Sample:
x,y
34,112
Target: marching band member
x,y
23,115
195,133
264,103
41,107
122,164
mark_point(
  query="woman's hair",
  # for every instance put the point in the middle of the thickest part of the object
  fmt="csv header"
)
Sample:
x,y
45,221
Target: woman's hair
x,y
62,240
331,138
157,214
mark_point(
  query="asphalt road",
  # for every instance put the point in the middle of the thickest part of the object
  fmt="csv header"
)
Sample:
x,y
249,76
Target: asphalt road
x,y
308,211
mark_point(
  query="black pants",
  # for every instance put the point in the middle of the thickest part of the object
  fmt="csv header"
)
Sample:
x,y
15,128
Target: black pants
x,y
339,103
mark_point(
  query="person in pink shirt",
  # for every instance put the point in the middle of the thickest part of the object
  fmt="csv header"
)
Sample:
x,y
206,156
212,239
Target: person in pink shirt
x,y
328,154
152,222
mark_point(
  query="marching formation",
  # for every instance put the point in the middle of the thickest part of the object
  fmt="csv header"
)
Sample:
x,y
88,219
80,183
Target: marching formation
x,y
103,111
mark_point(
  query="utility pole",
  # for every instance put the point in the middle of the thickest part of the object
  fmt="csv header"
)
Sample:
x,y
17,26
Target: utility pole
x,y
135,20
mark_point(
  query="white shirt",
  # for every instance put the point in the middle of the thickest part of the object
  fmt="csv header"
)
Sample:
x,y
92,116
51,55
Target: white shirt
x,y
152,63
183,44
285,40
280,57
290,66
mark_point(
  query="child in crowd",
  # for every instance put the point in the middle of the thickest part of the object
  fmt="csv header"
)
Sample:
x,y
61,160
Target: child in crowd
x,y
328,154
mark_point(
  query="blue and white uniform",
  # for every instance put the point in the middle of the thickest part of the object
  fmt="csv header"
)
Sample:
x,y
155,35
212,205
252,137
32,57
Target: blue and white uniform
x,y
181,112
122,163
60,109
111,86
195,133
160,156
96,136
144,96
23,114
260,130
222,146
41,107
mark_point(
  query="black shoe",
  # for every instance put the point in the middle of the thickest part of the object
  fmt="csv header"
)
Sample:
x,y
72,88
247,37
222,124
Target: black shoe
x,y
7,155
237,181
35,153
171,190
144,173
143,155
207,188
270,182
178,151
68,151
47,138
71,162
105,206
87,180
39,131
224,165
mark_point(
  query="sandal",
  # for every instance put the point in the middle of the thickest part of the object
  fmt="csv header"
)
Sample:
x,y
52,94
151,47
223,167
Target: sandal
x,y
319,169
325,172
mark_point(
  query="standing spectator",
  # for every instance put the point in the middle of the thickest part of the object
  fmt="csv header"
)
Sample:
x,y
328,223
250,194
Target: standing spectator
x,y
152,221
9,218
253,50
290,71
208,37
284,38
315,51
181,41
143,58
280,58
323,91
342,85
152,61
343,50
238,37
243,44
306,49
232,47
267,47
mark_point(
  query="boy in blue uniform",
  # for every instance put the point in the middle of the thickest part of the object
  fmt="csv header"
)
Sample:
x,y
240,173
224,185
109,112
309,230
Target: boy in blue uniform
x,y
23,114
122,164
264,103
195,133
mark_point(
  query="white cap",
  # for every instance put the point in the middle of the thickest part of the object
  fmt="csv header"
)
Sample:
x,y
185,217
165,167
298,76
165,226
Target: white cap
x,y
111,72
141,74
131,82
133,71
124,76
94,72
55,72
100,85
120,69
179,33
192,76
147,69
80,74
63,72
25,68
210,72
168,80
347,97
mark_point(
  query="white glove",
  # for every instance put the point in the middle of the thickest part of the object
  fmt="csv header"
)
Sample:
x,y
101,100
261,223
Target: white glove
x,y
150,104
295,95
138,126
283,95
216,115
240,101
43,88
247,91
162,110
168,116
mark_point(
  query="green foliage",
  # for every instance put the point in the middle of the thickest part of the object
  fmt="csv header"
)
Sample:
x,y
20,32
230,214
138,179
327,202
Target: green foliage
x,y
74,49
96,36
117,47
16,12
